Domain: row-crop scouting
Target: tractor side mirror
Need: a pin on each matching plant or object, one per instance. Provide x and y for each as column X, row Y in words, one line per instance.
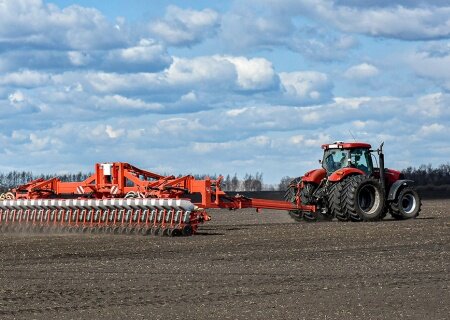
column 380, row 149
column 320, row 161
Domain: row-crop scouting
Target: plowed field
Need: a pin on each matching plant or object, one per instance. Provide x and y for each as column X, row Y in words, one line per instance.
column 242, row 265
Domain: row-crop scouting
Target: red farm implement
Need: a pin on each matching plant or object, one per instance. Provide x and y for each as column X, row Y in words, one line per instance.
column 121, row 198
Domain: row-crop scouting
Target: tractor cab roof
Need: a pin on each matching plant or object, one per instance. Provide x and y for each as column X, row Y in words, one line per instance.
column 346, row 145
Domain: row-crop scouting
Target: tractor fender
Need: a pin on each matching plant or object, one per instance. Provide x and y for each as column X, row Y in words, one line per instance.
column 314, row 176
column 344, row 172
column 396, row 186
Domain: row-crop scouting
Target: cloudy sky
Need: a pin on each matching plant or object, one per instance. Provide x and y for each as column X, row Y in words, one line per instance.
column 221, row 86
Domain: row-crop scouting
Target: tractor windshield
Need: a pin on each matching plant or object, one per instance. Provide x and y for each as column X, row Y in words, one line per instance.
column 335, row 159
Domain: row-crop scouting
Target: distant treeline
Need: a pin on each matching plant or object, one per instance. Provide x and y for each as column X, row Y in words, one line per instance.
column 424, row 176
column 249, row 182
column 431, row 182
column 15, row 178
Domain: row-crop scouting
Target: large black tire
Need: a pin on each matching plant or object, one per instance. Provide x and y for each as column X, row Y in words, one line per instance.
column 296, row 215
column 364, row 199
column 336, row 201
column 306, row 197
column 187, row 231
column 291, row 191
column 407, row 205
column 315, row 216
column 306, row 193
column 290, row 195
column 299, row 215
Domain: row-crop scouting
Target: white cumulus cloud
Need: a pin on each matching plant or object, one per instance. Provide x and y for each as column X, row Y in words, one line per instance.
column 253, row 74
column 185, row 27
column 306, row 87
column 416, row 23
column 16, row 97
column 278, row 20
column 25, row 79
column 432, row 63
column 147, row 56
column 32, row 23
column 361, row 71
column 432, row 129
column 39, row 35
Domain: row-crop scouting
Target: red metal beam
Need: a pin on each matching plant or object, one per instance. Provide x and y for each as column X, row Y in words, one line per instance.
column 103, row 184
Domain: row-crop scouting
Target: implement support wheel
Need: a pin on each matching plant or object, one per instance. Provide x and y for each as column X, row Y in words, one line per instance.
column 187, row 230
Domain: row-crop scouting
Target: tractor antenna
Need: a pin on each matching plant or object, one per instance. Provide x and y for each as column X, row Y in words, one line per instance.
column 352, row 135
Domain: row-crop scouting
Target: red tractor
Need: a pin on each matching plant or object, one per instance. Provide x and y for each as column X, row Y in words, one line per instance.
column 348, row 187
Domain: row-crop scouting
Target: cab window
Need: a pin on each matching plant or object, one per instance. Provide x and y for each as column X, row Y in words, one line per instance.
column 335, row 159
column 361, row 159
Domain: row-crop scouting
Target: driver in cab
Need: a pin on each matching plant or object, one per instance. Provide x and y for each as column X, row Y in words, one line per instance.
column 356, row 162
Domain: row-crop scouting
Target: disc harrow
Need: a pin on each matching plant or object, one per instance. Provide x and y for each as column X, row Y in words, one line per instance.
column 120, row 198
column 168, row 217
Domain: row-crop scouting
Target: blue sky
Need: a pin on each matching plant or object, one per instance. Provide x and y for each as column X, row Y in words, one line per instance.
column 223, row 86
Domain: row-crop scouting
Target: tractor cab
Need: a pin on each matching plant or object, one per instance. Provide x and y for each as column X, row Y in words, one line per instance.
column 341, row 155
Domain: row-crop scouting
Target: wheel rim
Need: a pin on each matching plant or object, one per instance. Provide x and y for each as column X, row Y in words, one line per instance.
column 368, row 199
column 408, row 203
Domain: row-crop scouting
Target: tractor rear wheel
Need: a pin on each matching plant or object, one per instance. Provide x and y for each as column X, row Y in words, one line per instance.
column 306, row 193
column 291, row 191
column 364, row 199
column 336, row 201
column 407, row 205
column 305, row 197
column 290, row 196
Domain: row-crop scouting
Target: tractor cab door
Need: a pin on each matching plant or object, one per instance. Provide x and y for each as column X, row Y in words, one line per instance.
column 361, row 159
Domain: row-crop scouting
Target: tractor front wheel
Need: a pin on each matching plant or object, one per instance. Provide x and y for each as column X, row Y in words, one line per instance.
column 364, row 199
column 407, row 205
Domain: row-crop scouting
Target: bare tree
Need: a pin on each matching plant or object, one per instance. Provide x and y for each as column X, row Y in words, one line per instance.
column 235, row 183
column 284, row 183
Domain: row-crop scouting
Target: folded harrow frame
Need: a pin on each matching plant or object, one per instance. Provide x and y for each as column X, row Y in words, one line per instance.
column 121, row 198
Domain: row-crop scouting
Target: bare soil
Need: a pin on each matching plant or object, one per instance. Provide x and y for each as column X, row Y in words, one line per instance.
column 242, row 265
